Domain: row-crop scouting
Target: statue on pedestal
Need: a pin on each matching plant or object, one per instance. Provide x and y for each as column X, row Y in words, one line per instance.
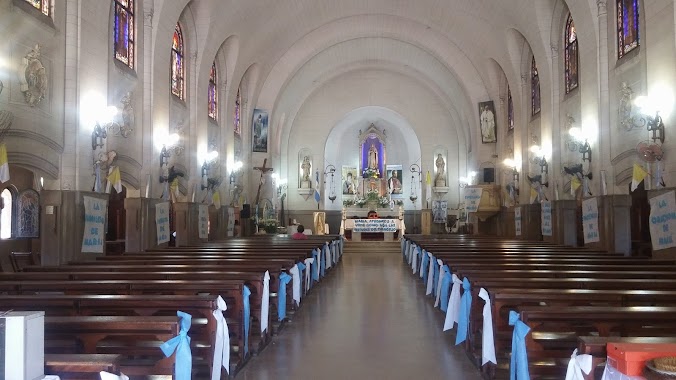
column 440, row 179
column 305, row 182
column 373, row 157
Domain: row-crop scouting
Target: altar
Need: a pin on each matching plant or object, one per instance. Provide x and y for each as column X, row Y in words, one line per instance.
column 373, row 228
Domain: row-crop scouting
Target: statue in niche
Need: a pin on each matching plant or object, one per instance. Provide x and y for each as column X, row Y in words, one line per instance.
column 440, row 179
column 34, row 77
column 373, row 157
column 305, row 178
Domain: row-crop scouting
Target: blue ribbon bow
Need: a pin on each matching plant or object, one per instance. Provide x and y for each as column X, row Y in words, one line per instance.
column 465, row 308
column 246, row 292
column 423, row 266
column 181, row 344
column 445, row 287
column 518, row 367
column 301, row 268
column 284, row 279
column 315, row 272
column 322, row 265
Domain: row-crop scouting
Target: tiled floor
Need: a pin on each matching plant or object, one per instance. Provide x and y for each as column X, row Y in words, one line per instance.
column 367, row 320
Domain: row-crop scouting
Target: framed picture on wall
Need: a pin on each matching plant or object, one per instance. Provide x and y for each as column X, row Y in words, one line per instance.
column 259, row 137
column 487, row 119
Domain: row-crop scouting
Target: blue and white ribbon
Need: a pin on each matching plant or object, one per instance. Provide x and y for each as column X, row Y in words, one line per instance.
column 327, row 256
column 181, row 345
column 437, row 269
column 423, row 266
column 246, row 293
column 309, row 264
column 284, row 279
column 453, row 311
column 518, row 367
column 316, row 254
column 465, row 308
column 487, row 339
column 578, row 366
column 430, row 274
column 222, row 341
column 295, row 274
column 265, row 302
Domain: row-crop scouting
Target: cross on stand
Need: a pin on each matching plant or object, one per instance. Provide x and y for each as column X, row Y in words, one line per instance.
column 263, row 170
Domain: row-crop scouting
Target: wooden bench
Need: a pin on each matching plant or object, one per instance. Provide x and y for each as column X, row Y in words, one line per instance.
column 81, row 366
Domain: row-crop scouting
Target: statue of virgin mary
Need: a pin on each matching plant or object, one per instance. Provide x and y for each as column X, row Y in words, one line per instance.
column 373, row 157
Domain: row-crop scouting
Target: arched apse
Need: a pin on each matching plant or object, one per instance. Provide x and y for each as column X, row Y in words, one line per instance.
column 342, row 146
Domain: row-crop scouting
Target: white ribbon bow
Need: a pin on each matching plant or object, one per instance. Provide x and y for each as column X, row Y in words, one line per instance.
column 308, row 272
column 104, row 376
column 442, row 273
column 265, row 302
column 430, row 275
column 487, row 341
column 453, row 310
column 222, row 345
column 577, row 365
column 295, row 273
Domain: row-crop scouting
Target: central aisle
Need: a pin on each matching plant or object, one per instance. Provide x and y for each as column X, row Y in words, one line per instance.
column 367, row 320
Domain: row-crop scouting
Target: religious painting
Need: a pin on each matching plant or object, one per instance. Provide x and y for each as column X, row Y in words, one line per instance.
column 440, row 211
column 350, row 180
column 260, row 131
column 395, row 185
column 28, row 208
column 374, row 185
column 487, row 118
column 372, row 157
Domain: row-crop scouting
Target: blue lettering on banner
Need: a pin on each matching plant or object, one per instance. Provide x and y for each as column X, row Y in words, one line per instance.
column 374, row 225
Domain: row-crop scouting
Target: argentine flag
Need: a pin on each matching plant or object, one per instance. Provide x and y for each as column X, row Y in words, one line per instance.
column 318, row 196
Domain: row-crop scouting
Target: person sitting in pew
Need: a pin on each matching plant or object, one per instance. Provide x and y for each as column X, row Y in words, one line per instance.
column 299, row 235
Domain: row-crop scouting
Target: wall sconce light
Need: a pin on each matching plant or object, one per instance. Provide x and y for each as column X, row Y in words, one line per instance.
column 654, row 124
column 98, row 135
column 540, row 160
column 234, row 170
column 169, row 146
column 330, row 169
column 415, row 168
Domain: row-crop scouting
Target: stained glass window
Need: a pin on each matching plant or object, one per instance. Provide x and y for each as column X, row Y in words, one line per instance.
column 44, row 6
column 28, row 214
column 510, row 110
column 124, row 32
column 238, row 110
column 213, row 93
column 177, row 64
column 572, row 59
column 6, row 207
column 535, row 88
column 627, row 26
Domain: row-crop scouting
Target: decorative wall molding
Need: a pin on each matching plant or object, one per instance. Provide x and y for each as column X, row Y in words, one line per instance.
column 20, row 133
column 623, row 156
column 34, row 163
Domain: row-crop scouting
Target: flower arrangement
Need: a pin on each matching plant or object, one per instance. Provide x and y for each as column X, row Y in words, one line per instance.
column 348, row 202
column 384, row 201
column 269, row 225
column 360, row 201
column 371, row 173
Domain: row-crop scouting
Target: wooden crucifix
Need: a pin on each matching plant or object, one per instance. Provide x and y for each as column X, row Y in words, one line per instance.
column 263, row 170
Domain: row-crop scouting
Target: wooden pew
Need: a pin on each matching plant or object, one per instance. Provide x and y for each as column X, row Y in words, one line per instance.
column 81, row 366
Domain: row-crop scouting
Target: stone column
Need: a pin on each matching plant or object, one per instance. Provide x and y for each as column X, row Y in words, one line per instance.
column 604, row 104
column 62, row 226
column 141, row 230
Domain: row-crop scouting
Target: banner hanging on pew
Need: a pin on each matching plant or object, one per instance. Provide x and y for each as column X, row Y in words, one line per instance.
column 203, row 218
column 472, row 198
column 590, row 220
column 95, row 224
column 517, row 220
column 663, row 221
column 162, row 222
column 546, row 218
column 231, row 221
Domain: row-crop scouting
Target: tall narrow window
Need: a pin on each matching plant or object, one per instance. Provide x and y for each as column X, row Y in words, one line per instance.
column 627, row 26
column 510, row 110
column 238, row 110
column 534, row 88
column 124, row 32
column 572, row 59
column 213, row 93
column 177, row 64
column 6, row 206
column 44, row 6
